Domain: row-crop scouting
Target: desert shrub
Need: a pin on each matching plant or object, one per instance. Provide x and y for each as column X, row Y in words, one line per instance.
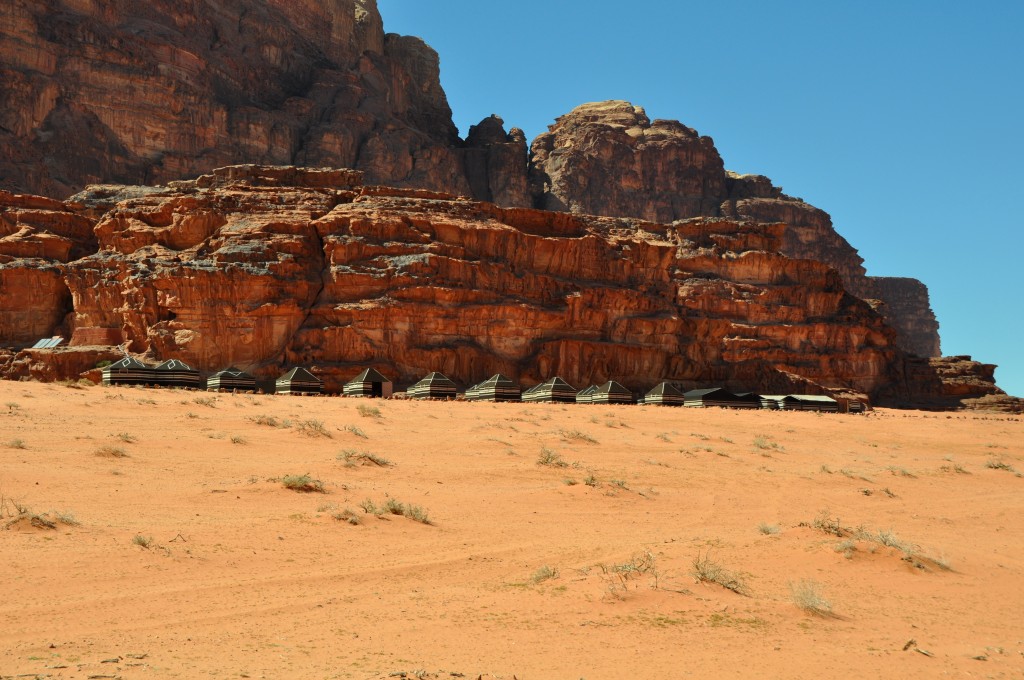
column 16, row 444
column 417, row 514
column 127, row 437
column 111, row 452
column 143, row 541
column 545, row 573
column 313, row 428
column 368, row 411
column 768, row 529
column 550, row 458
column 705, row 570
column 352, row 429
column 352, row 458
column 807, row 595
column 348, row 516
column 576, row 435
column 303, row 484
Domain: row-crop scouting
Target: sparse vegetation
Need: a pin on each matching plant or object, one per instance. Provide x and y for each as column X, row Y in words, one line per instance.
column 545, row 573
column 996, row 464
column 143, row 541
column 576, row 435
column 236, row 439
column 550, row 458
column 303, row 484
column 705, row 570
column 368, row 411
column 352, row 429
column 765, row 443
column 269, row 421
column 901, row 472
column 807, row 595
column 393, row 506
column 351, row 458
column 127, row 437
column 313, row 428
column 209, row 402
column 768, row 529
column 348, row 516
column 621, row 575
column 111, row 452
column 590, row 480
column 16, row 444
column 67, row 518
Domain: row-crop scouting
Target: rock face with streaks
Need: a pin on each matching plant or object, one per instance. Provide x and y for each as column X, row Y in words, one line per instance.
column 145, row 93
column 609, row 158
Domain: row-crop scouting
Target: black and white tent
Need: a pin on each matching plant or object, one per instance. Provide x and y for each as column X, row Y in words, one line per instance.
column 584, row 395
column 128, row 371
column 611, row 392
column 472, row 393
column 496, row 388
column 665, row 394
column 554, row 390
column 432, row 386
column 298, row 381
column 718, row 396
column 231, row 379
column 813, row 402
column 369, row 383
column 176, row 373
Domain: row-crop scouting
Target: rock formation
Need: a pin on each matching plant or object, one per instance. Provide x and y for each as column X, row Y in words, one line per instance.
column 266, row 267
column 145, row 93
column 609, row 158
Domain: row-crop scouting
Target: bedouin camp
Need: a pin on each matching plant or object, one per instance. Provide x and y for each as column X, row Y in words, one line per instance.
column 298, row 381
column 496, row 388
column 369, row 383
column 231, row 380
column 611, row 392
column 128, row 371
column 433, row 386
column 665, row 394
column 551, row 391
column 176, row 373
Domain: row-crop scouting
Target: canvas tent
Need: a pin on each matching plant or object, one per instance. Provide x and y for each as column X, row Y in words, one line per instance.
column 554, row 390
column 298, row 381
column 611, row 392
column 665, row 394
column 718, row 396
column 369, row 383
column 231, row 379
column 432, row 386
column 496, row 388
column 128, row 371
column 584, row 395
column 176, row 373
column 814, row 402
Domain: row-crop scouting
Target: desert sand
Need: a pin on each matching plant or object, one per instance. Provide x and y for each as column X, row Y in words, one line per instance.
column 559, row 540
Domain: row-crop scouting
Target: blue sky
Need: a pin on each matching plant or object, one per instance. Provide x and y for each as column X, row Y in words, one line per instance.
column 904, row 120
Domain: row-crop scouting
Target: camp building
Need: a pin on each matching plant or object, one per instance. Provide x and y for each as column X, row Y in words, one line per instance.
column 432, row 386
column 611, row 392
column 128, row 371
column 721, row 397
column 298, row 381
column 496, row 388
column 176, row 373
column 369, row 383
column 231, row 380
column 583, row 396
column 554, row 390
column 665, row 394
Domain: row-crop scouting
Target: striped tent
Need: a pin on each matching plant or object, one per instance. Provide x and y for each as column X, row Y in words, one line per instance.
column 554, row 390
column 176, row 373
column 472, row 392
column 128, row 371
column 856, row 406
column 298, row 381
column 665, row 394
column 611, row 392
column 496, row 388
column 772, row 402
column 369, row 383
column 433, row 386
column 231, row 379
column 718, row 396
column 584, row 395
column 814, row 402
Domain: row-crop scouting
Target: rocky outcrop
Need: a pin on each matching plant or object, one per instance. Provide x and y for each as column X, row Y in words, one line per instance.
column 608, row 158
column 146, row 93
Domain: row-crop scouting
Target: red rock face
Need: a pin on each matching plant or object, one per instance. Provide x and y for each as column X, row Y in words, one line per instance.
column 608, row 158
column 150, row 92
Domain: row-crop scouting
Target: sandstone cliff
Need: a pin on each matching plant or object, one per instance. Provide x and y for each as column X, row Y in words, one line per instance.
column 145, row 93
column 609, row 158
column 265, row 267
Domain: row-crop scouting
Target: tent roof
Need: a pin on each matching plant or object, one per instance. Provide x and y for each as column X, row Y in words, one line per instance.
column 611, row 387
column 587, row 390
column 370, row 375
column 175, row 365
column 127, row 363
column 706, row 391
column 497, row 379
column 556, row 382
column 665, row 388
column 818, row 398
column 435, row 378
column 233, row 372
column 299, row 373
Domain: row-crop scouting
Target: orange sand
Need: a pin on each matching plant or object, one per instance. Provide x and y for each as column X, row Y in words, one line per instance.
column 245, row 578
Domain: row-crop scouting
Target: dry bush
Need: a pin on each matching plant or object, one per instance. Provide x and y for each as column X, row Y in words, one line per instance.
column 807, row 595
column 303, row 484
column 705, row 570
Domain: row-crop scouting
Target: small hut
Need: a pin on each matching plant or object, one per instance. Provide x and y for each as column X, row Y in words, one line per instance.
column 721, row 397
column 665, row 394
column 814, row 402
column 611, row 392
column 176, row 373
column 433, row 386
column 552, row 391
column 298, row 381
column 128, row 371
column 369, row 383
column 584, row 395
column 231, row 380
column 496, row 388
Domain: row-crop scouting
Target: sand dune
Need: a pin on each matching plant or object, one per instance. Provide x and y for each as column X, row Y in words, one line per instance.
column 177, row 551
